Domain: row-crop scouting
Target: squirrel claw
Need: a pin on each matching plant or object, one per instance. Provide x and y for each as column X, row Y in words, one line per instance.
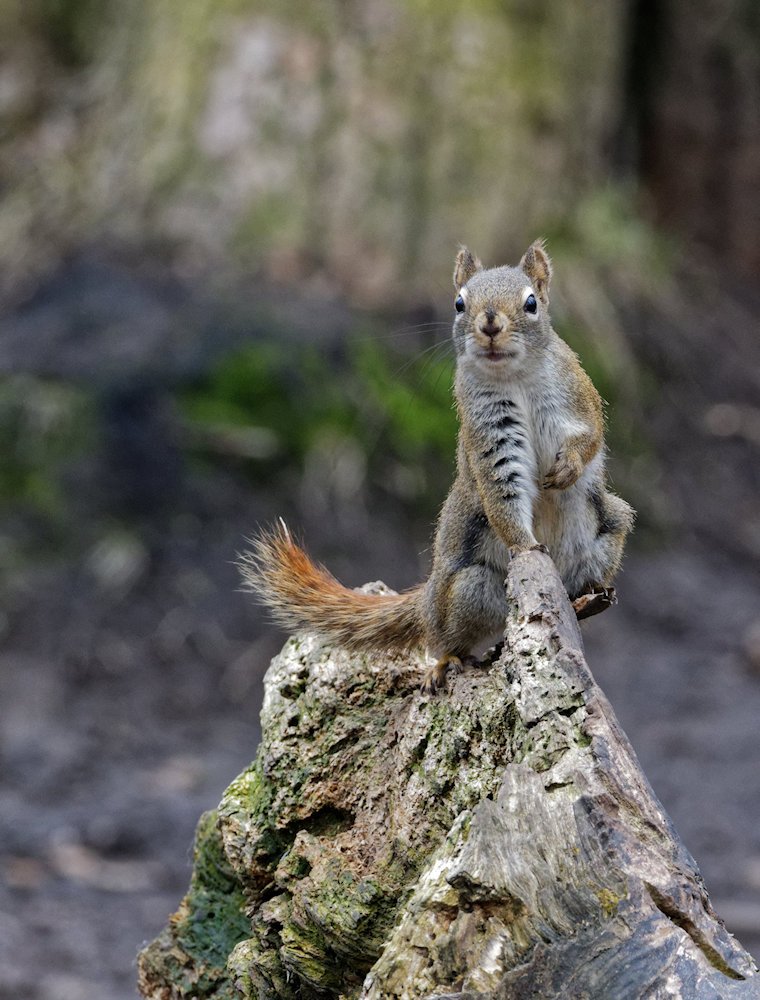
column 597, row 600
column 435, row 676
column 565, row 472
column 539, row 547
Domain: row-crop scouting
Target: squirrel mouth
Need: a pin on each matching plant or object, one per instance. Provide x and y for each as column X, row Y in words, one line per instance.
column 494, row 355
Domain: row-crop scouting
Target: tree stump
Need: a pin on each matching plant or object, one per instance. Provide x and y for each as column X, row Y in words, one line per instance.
column 496, row 841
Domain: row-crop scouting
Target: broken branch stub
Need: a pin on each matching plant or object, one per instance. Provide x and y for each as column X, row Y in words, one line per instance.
column 497, row 841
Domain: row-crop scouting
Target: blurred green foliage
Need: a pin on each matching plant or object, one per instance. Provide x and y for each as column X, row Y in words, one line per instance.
column 43, row 425
column 608, row 232
column 397, row 410
column 71, row 27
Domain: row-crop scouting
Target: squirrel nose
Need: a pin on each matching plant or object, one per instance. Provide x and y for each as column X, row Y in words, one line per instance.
column 491, row 327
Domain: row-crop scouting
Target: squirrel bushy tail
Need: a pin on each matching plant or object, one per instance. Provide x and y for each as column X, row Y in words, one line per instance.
column 301, row 594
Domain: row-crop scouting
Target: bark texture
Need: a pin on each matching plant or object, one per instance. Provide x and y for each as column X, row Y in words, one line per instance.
column 497, row 841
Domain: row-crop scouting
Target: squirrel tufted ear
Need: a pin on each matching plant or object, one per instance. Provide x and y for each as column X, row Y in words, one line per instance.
column 538, row 266
column 465, row 266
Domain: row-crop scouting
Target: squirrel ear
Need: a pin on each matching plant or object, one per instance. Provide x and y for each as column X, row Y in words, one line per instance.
column 538, row 266
column 465, row 266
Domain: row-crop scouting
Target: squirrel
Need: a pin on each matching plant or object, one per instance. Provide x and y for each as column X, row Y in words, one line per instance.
column 530, row 475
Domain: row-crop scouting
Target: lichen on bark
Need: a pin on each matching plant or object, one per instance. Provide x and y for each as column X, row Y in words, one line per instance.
column 496, row 841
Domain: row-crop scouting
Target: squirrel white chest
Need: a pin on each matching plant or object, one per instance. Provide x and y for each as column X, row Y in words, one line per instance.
column 543, row 419
column 551, row 424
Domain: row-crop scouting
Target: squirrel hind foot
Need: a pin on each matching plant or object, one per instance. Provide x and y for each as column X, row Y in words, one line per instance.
column 435, row 678
column 598, row 599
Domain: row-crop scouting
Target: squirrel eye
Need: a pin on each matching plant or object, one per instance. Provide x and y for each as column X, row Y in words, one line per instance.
column 530, row 305
column 459, row 304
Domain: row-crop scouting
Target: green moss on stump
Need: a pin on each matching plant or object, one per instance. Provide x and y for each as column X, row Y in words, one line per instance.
column 211, row 919
column 321, row 840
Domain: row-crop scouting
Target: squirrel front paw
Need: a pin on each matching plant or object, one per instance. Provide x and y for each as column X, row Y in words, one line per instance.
column 566, row 470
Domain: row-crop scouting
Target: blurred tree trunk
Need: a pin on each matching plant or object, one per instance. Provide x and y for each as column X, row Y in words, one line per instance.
column 356, row 142
column 694, row 91
column 497, row 841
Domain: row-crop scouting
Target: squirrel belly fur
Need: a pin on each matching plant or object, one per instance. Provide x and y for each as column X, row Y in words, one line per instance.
column 530, row 474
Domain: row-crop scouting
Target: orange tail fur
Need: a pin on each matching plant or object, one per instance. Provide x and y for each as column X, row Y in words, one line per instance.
column 301, row 594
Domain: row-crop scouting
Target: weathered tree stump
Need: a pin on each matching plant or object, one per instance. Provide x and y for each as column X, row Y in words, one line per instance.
column 497, row 841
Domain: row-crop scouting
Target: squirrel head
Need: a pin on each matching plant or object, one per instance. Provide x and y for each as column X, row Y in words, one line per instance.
column 502, row 313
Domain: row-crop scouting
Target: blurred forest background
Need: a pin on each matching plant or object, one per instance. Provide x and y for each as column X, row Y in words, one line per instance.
column 226, row 237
